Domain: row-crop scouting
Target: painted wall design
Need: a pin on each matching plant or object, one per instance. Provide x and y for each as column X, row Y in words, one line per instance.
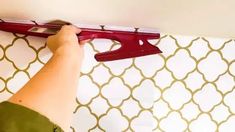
column 190, row 87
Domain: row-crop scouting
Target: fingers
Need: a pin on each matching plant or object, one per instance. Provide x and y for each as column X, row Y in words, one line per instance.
column 66, row 36
column 70, row 29
column 73, row 29
column 50, row 39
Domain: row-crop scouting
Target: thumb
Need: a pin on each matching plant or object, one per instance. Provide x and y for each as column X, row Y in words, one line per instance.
column 84, row 41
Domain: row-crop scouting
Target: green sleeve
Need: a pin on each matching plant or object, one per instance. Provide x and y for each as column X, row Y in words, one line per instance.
column 17, row 118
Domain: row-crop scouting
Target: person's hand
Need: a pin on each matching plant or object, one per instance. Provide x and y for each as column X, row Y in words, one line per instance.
column 66, row 41
column 65, row 37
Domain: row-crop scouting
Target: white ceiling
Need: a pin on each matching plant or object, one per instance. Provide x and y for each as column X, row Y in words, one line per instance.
column 185, row 17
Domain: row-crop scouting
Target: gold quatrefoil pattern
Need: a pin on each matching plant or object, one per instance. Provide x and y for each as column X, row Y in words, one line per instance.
column 189, row 87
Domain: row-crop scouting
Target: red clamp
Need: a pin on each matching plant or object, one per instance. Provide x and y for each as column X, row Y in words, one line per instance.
column 133, row 44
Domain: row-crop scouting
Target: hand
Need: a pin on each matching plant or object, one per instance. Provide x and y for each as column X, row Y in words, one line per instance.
column 65, row 37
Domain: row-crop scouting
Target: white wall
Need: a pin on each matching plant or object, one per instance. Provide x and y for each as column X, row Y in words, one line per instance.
column 186, row 17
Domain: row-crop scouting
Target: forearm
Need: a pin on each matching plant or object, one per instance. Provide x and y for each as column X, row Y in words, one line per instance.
column 62, row 70
column 54, row 85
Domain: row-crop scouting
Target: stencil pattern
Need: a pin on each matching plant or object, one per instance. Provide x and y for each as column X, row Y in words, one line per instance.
column 189, row 87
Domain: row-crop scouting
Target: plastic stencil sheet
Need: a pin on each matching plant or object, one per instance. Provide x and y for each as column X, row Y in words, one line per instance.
column 189, row 87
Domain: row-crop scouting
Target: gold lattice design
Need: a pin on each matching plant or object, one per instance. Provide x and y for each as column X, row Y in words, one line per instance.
column 190, row 87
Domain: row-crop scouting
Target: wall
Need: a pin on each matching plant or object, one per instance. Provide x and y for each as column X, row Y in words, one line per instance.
column 189, row 87
column 186, row 17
